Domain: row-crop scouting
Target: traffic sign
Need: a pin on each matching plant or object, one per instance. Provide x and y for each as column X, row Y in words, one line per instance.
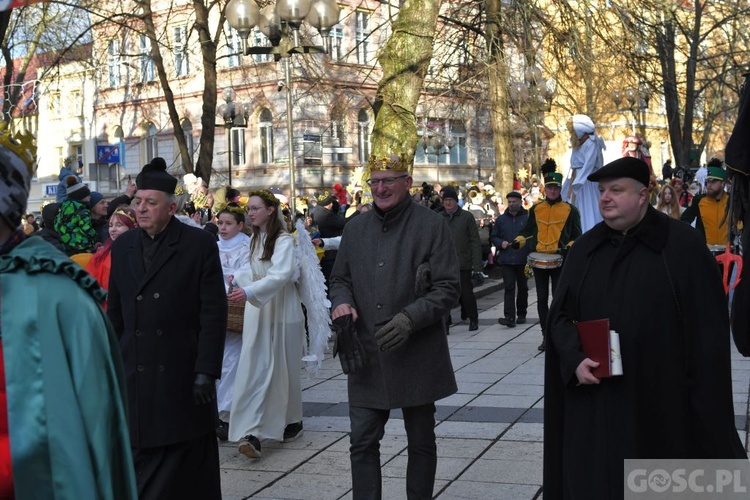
column 108, row 154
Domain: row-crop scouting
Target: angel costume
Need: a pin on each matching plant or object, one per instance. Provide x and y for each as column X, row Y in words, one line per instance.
column 585, row 159
column 268, row 390
column 235, row 255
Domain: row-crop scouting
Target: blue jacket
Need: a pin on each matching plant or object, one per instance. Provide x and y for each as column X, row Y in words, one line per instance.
column 506, row 228
column 62, row 189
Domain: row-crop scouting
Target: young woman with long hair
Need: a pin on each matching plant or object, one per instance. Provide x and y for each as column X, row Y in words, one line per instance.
column 668, row 202
column 267, row 396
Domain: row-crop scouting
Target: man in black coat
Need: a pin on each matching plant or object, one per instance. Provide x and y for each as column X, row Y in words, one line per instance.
column 169, row 309
column 674, row 399
column 330, row 224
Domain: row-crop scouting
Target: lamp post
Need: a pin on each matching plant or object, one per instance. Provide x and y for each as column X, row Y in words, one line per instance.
column 234, row 115
column 281, row 23
column 637, row 100
column 531, row 99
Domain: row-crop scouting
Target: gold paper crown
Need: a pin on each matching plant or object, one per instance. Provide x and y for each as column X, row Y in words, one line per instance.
column 235, row 208
column 22, row 145
column 179, row 191
column 265, row 195
column 322, row 196
column 393, row 162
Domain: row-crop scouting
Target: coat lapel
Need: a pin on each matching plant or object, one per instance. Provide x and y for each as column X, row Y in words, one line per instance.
column 168, row 249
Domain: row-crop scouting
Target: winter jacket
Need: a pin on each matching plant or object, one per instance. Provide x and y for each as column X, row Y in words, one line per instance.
column 506, row 228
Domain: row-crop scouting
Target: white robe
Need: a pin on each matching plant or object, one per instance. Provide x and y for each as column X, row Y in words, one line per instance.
column 268, row 387
column 235, row 255
column 584, row 161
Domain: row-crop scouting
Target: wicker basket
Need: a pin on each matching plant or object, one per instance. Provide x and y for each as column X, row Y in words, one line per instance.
column 235, row 316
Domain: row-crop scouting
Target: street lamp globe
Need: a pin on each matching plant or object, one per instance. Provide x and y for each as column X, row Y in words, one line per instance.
column 270, row 24
column 242, row 15
column 324, row 15
column 293, row 11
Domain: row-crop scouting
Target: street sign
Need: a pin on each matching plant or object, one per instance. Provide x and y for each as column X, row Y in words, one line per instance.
column 338, row 150
column 50, row 189
column 108, row 154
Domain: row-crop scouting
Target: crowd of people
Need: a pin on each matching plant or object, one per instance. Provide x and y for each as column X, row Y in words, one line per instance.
column 162, row 266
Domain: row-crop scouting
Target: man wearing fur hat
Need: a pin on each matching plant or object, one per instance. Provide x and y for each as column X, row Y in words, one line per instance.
column 585, row 159
column 401, row 328
column 552, row 227
column 168, row 305
column 63, row 432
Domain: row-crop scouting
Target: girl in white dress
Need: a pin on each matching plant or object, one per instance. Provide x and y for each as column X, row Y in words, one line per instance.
column 267, row 400
column 234, row 251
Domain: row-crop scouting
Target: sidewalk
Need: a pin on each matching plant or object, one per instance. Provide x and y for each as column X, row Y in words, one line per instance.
column 489, row 433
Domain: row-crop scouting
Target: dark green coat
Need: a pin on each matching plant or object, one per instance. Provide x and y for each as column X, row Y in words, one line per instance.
column 375, row 272
column 465, row 235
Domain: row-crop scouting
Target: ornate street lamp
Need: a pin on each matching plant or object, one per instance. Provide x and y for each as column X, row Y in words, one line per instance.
column 281, row 23
column 437, row 140
column 637, row 101
column 234, row 115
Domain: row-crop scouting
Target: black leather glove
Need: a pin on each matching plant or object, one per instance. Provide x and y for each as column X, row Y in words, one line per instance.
column 423, row 280
column 204, row 389
column 393, row 334
column 347, row 345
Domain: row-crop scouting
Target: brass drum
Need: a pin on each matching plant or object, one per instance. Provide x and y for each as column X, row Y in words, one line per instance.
column 540, row 260
column 716, row 249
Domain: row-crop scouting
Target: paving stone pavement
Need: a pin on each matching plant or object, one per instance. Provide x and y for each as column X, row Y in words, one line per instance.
column 489, row 434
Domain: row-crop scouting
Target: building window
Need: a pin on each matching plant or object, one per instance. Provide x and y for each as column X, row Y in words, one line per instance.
column 237, row 136
column 76, row 103
column 338, row 139
column 187, row 130
column 265, row 124
column 312, row 149
column 148, row 73
column 258, row 39
column 337, row 46
column 363, row 36
column 363, row 137
column 54, row 104
column 181, row 59
column 152, row 142
column 457, row 144
column 113, row 63
column 234, row 47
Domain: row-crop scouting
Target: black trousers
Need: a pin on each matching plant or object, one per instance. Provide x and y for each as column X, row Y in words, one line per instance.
column 542, row 278
column 467, row 300
column 183, row 470
column 368, row 428
column 514, row 277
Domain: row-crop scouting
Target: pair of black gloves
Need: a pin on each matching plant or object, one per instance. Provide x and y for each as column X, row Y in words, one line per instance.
column 349, row 349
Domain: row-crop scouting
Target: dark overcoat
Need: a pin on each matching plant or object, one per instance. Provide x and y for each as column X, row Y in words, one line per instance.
column 375, row 272
column 171, row 322
column 660, row 288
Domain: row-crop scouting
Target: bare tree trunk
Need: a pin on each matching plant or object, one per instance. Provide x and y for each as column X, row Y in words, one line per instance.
column 404, row 59
column 498, row 90
column 208, row 117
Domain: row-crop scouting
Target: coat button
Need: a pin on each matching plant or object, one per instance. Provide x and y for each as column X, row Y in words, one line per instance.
column 381, row 263
column 159, row 333
column 385, row 229
column 161, row 368
column 379, row 306
column 156, row 295
column 140, row 368
column 139, row 297
column 138, row 333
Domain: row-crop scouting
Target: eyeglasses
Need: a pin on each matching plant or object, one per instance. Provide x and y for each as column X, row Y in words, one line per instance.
column 253, row 210
column 386, row 181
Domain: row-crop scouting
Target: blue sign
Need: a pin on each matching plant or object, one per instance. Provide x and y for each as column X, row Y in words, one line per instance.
column 50, row 190
column 108, row 154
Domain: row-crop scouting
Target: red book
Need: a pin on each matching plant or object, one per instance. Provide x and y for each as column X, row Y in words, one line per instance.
column 594, row 337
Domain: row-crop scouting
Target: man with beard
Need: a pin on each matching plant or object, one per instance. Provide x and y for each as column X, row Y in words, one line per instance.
column 674, row 397
column 401, row 328
column 552, row 227
column 513, row 263
column 709, row 211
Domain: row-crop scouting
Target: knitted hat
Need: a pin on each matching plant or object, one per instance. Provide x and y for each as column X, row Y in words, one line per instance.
column 449, row 192
column 76, row 189
column 154, row 176
column 17, row 164
column 96, row 197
